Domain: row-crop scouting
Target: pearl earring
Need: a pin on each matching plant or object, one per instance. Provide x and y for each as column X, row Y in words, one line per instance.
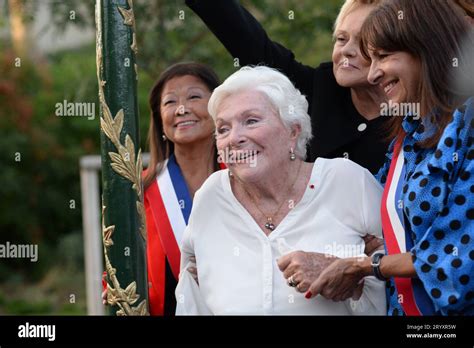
column 292, row 155
column 164, row 137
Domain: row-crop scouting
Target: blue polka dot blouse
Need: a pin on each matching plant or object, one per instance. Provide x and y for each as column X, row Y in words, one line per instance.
column 438, row 206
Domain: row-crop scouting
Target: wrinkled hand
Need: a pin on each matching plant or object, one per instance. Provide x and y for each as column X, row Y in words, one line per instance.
column 372, row 244
column 193, row 269
column 338, row 282
column 304, row 267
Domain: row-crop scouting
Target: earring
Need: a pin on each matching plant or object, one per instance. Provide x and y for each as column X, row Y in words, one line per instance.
column 292, row 155
column 164, row 137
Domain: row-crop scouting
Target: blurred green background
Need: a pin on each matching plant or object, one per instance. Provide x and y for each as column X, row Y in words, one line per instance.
column 40, row 199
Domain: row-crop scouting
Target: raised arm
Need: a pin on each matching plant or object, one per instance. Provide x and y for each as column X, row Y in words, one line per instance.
column 245, row 39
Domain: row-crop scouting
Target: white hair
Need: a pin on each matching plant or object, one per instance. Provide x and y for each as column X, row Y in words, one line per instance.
column 291, row 105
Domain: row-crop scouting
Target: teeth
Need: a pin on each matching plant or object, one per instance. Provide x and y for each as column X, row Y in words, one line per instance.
column 240, row 157
column 186, row 123
column 387, row 88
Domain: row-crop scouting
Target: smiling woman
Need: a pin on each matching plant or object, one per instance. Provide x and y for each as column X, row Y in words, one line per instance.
column 180, row 125
column 409, row 65
column 349, row 66
column 418, row 49
column 247, row 217
column 400, row 80
column 183, row 155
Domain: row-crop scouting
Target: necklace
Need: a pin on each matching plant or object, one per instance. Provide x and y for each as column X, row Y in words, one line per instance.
column 269, row 225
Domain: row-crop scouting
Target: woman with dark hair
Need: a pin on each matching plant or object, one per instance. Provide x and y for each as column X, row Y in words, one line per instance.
column 182, row 156
column 161, row 146
column 419, row 50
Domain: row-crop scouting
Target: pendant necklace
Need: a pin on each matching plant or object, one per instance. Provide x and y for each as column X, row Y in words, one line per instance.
column 269, row 225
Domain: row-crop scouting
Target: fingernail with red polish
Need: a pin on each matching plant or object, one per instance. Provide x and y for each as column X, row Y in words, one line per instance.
column 308, row 294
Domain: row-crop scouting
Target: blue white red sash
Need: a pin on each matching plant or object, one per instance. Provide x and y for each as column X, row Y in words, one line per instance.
column 171, row 209
column 414, row 298
column 168, row 205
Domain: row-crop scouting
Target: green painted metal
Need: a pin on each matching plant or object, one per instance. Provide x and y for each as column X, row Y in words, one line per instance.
column 122, row 193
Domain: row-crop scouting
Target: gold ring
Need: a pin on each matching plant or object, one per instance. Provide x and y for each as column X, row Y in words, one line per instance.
column 291, row 282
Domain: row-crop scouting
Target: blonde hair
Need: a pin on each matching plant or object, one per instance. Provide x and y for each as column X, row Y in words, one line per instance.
column 351, row 5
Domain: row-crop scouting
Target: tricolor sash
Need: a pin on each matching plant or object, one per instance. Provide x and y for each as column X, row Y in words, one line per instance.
column 171, row 209
column 414, row 300
column 168, row 206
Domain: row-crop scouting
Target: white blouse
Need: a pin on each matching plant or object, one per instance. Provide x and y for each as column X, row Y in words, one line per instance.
column 236, row 261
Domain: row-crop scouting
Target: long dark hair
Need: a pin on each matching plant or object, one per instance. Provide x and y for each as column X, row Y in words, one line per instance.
column 436, row 33
column 160, row 149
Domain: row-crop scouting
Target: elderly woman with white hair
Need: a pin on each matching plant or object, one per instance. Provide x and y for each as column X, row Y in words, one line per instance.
column 270, row 202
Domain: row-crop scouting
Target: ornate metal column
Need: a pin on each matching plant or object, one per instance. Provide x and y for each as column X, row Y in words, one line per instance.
column 123, row 214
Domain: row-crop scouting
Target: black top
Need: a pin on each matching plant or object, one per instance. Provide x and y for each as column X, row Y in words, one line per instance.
column 338, row 129
column 170, row 286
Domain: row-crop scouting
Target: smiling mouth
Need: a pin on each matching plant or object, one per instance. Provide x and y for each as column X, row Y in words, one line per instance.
column 346, row 66
column 243, row 156
column 185, row 123
column 388, row 88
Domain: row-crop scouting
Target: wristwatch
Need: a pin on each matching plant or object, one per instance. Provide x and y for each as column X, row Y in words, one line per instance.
column 376, row 258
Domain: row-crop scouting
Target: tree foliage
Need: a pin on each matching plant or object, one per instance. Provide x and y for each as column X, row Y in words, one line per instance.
column 37, row 190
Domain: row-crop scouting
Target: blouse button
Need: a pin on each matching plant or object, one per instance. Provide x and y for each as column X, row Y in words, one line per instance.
column 362, row 127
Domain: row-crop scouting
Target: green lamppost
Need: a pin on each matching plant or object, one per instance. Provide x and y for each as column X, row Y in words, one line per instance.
column 123, row 214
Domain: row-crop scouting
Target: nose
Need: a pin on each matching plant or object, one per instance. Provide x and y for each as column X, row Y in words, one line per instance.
column 182, row 109
column 375, row 74
column 350, row 49
column 236, row 137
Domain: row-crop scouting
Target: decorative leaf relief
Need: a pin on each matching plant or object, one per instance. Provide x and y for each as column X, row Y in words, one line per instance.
column 141, row 308
column 116, row 296
column 141, row 213
column 130, row 148
column 118, row 122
